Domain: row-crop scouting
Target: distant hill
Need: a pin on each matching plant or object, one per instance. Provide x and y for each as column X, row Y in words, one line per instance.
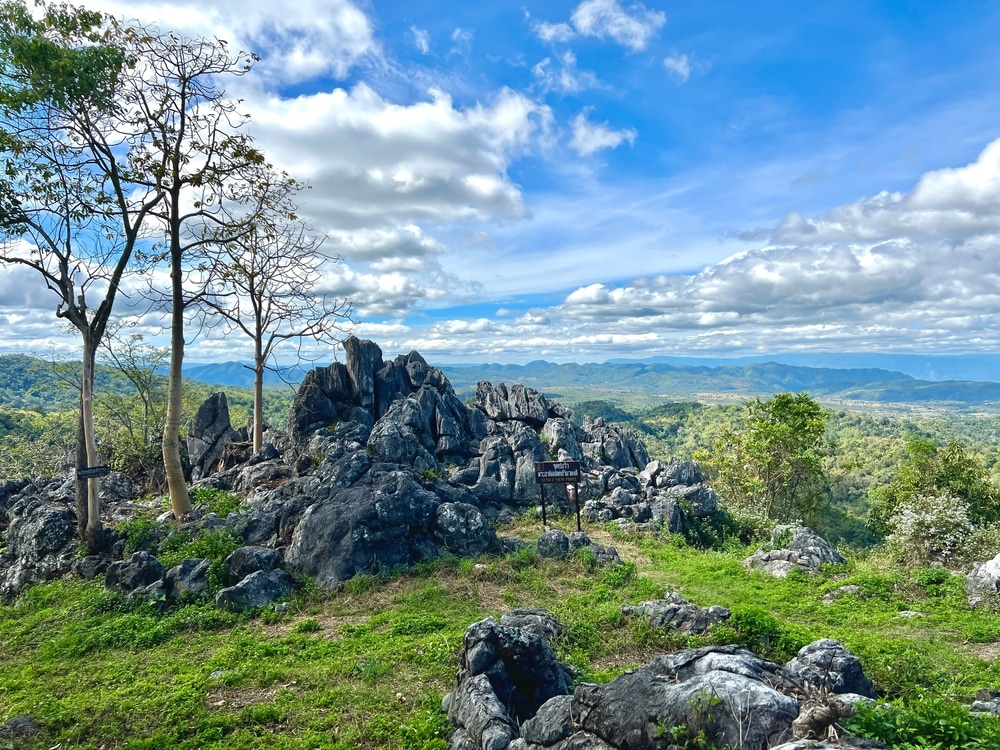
column 27, row 382
column 934, row 367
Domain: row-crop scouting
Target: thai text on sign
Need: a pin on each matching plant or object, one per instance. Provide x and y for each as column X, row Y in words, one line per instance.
column 557, row 472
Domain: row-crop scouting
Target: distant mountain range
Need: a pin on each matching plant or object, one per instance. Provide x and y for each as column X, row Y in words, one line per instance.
column 958, row 380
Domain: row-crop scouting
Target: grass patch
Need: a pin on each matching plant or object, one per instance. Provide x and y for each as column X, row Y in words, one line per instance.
column 367, row 666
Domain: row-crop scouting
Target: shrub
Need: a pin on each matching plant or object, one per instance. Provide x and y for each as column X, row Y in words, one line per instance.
column 931, row 529
column 925, row 722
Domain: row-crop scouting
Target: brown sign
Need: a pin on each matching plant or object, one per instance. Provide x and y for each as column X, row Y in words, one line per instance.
column 557, row 472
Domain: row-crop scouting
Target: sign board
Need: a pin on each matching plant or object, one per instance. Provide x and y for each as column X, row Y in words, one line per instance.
column 557, row 472
column 92, row 471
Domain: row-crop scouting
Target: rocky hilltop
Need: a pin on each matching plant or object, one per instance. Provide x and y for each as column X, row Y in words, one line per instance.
column 381, row 465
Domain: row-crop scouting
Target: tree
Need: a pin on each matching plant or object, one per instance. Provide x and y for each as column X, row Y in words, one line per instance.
column 769, row 468
column 67, row 208
column 133, row 423
column 262, row 284
column 928, row 470
column 186, row 143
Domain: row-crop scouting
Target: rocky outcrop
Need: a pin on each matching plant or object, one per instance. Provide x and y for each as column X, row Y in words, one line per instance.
column 210, row 436
column 671, row 496
column 982, row 585
column 256, row 590
column 506, row 673
column 828, row 666
column 794, row 547
column 724, row 694
column 40, row 542
column 675, row 612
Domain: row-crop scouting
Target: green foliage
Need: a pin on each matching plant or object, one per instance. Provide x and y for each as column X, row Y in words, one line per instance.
column 926, row 722
column 934, row 529
column 215, row 546
column 760, row 631
column 928, row 470
column 216, row 501
column 768, row 469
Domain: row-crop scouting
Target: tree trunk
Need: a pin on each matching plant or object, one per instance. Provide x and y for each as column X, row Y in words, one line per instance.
column 180, row 501
column 87, row 419
column 258, row 400
column 81, row 484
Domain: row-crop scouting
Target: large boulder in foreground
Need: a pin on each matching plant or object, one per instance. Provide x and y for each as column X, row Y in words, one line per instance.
column 40, row 544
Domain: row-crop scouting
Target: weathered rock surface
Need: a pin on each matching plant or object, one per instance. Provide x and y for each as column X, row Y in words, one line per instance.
column 797, row 547
column 828, row 665
column 256, row 590
column 506, row 673
column 138, row 572
column 982, row 585
column 677, row 613
column 209, row 436
column 736, row 698
column 40, row 542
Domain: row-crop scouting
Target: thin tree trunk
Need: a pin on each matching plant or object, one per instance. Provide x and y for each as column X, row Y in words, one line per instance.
column 87, row 416
column 180, row 501
column 258, row 400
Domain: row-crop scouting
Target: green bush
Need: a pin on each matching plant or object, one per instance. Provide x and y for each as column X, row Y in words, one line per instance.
column 925, row 722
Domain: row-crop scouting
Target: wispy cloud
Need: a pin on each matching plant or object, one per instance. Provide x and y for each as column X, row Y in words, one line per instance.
column 606, row 18
column 589, row 137
column 422, row 39
column 679, row 66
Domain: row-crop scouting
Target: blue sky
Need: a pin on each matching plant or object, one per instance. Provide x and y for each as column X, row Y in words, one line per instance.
column 585, row 180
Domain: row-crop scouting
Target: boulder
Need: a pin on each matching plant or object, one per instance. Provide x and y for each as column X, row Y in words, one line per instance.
column 41, row 543
column 189, row 579
column 505, row 675
column 982, row 585
column 138, row 572
column 793, row 547
column 673, row 611
column 256, row 590
column 552, row 543
column 386, row 521
column 246, row 560
column 829, row 666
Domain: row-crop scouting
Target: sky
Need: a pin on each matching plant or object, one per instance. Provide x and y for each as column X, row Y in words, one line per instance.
column 579, row 181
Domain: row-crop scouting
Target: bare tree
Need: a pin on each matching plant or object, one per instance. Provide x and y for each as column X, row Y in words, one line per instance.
column 264, row 284
column 187, row 143
column 67, row 208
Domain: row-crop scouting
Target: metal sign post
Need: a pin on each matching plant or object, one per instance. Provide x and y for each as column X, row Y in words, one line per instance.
column 559, row 472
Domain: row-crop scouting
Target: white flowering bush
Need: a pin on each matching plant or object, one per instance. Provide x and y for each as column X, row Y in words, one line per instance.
column 932, row 529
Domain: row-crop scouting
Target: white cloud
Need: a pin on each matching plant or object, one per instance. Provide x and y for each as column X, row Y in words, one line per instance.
column 606, row 18
column 296, row 41
column 563, row 76
column 679, row 66
column 375, row 164
column 553, row 32
column 422, row 39
column 947, row 203
column 589, row 137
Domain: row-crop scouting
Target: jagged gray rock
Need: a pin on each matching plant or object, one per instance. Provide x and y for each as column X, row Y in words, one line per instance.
column 797, row 547
column 246, row 560
column 40, row 542
column 829, row 665
column 209, row 436
column 675, row 612
column 982, row 585
column 256, row 590
column 138, row 572
column 187, row 579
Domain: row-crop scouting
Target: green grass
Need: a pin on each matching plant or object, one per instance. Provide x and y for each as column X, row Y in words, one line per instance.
column 366, row 667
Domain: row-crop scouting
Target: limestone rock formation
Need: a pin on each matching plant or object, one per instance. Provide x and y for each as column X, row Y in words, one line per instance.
column 794, row 547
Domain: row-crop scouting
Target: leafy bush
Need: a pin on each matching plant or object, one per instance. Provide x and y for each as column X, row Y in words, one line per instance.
column 932, row 528
column 925, row 722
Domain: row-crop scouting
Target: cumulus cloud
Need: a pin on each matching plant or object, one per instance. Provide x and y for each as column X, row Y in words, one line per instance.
column 589, row 137
column 630, row 28
column 373, row 163
column 297, row 41
column 553, row 32
column 947, row 203
column 679, row 66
